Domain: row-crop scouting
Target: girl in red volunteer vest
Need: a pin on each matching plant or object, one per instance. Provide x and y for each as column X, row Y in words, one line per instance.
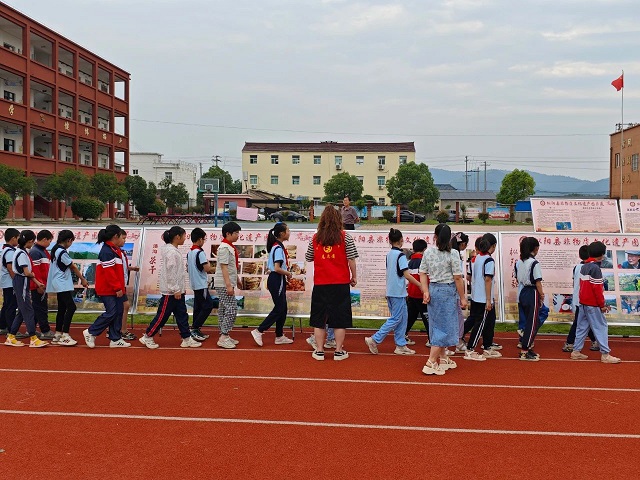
column 334, row 255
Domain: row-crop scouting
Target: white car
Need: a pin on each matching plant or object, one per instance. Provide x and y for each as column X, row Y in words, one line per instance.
column 261, row 217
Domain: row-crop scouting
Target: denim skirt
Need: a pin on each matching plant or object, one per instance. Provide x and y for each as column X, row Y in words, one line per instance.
column 443, row 314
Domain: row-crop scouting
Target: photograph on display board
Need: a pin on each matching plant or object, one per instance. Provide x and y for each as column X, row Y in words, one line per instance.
column 629, row 282
column 562, row 303
column 628, row 259
column 630, row 304
column 611, row 301
column 609, row 282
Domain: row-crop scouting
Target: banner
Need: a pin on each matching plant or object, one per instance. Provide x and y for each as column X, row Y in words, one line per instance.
column 558, row 255
column 630, row 213
column 84, row 253
column 575, row 215
column 368, row 298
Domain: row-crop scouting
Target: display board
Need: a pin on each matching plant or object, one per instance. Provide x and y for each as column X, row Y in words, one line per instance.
column 84, row 253
column 575, row 215
column 558, row 255
column 630, row 213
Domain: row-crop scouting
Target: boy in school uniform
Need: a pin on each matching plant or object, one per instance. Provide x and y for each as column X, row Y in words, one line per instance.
column 415, row 306
column 583, row 253
column 9, row 302
column 593, row 306
column 198, row 267
column 41, row 260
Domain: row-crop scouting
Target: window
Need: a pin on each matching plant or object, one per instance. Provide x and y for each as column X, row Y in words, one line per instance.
column 274, row 159
column 359, row 159
column 403, row 159
column 381, row 160
column 295, row 159
column 274, row 179
column 317, row 159
column 338, row 159
column 617, row 160
column 381, row 201
column 135, row 171
column 168, row 175
column 9, row 145
column 295, row 180
column 253, row 179
column 381, row 181
column 634, row 163
column 361, row 179
column 10, row 96
column 253, row 159
column 316, row 180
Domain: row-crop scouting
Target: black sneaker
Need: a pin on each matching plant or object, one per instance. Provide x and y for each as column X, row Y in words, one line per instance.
column 197, row 335
column 536, row 354
column 595, row 346
column 529, row 356
column 3, row 331
column 127, row 335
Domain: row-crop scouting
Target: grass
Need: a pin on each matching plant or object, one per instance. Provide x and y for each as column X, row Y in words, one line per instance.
column 550, row 328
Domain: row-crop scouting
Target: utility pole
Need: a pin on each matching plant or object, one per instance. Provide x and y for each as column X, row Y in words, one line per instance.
column 216, row 159
column 466, row 173
column 485, row 174
column 200, row 169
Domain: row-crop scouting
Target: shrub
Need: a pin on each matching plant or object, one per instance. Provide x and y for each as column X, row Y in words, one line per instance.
column 5, row 204
column 87, row 207
column 442, row 216
column 197, row 209
column 528, row 219
column 483, row 216
column 388, row 215
column 158, row 207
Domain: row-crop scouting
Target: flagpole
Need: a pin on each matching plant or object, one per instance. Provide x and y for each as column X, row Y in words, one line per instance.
column 622, row 139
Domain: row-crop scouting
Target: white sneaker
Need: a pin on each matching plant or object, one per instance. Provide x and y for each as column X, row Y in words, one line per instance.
column 312, row 341
column 608, row 358
column 409, row 341
column 317, row 355
column 432, row 369
column 404, row 350
column 234, row 341
column 56, row 338
column 89, row 339
column 283, row 340
column 491, row 353
column 257, row 336
column 148, row 342
column 119, row 344
column 190, row 342
column 225, row 342
column 473, row 355
column 66, row 341
column 330, row 344
column 461, row 347
column 371, row 343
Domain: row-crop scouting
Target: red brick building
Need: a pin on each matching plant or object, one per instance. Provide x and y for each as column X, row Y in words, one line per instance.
column 624, row 165
column 61, row 107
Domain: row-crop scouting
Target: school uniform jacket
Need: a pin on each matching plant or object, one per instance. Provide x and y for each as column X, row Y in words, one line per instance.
column 40, row 261
column 109, row 272
column 591, row 284
column 414, row 269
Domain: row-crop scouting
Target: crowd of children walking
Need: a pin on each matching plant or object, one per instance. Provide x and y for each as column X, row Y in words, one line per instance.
column 430, row 285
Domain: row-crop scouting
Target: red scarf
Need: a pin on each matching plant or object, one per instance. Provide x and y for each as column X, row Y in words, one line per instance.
column 235, row 250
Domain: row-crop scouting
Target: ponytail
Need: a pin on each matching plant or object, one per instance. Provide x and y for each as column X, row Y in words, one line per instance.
column 63, row 236
column 274, row 234
column 443, row 237
column 395, row 235
column 527, row 246
column 25, row 237
column 172, row 233
column 107, row 234
column 459, row 238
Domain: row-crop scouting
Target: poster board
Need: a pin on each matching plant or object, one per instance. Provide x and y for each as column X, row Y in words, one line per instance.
column 630, row 214
column 575, row 215
column 84, row 253
column 558, row 255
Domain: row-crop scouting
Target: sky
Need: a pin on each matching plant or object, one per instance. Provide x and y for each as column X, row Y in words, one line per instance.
column 514, row 84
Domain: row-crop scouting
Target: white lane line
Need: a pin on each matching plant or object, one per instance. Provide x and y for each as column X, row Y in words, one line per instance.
column 413, row 428
column 426, row 383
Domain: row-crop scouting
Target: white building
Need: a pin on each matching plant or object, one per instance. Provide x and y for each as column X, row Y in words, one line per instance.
column 152, row 168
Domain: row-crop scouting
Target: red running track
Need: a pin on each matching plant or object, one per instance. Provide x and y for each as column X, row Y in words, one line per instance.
column 274, row 412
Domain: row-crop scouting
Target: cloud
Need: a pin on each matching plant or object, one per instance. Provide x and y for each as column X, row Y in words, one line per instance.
column 358, row 18
column 569, row 69
column 585, row 30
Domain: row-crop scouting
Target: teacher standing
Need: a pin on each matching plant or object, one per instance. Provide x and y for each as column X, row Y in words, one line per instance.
column 349, row 214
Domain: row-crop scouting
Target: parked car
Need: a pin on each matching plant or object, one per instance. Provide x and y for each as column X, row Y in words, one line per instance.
column 288, row 216
column 409, row 216
column 469, row 216
column 261, row 217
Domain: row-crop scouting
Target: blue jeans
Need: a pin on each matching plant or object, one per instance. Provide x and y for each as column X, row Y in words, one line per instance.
column 397, row 322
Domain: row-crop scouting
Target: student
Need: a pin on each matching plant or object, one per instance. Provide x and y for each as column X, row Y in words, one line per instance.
column 172, row 283
column 415, row 306
column 397, row 272
column 60, row 282
column 469, row 322
column 110, row 287
column 482, row 309
column 40, row 260
column 278, row 265
column 583, row 253
column 198, row 267
column 9, row 304
column 530, row 296
column 226, row 279
column 127, row 267
column 442, row 267
column 593, row 306
column 459, row 243
column 21, row 283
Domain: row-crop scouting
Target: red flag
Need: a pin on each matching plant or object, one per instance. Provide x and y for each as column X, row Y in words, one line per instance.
column 618, row 83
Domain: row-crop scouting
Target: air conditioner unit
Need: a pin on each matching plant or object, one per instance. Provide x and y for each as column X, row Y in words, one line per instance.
column 380, row 166
column 254, row 187
column 380, row 187
column 338, row 166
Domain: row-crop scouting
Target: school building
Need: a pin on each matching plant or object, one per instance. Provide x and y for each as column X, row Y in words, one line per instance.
column 61, row 106
column 624, row 176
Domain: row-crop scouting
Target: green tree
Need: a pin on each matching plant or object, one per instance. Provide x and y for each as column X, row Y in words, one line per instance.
column 227, row 183
column 106, row 188
column 87, row 207
column 340, row 185
column 370, row 198
column 516, row 186
column 15, row 184
column 5, row 205
column 66, row 186
column 173, row 195
column 413, row 181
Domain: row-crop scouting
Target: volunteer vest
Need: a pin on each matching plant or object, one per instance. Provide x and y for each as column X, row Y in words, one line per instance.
column 330, row 264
